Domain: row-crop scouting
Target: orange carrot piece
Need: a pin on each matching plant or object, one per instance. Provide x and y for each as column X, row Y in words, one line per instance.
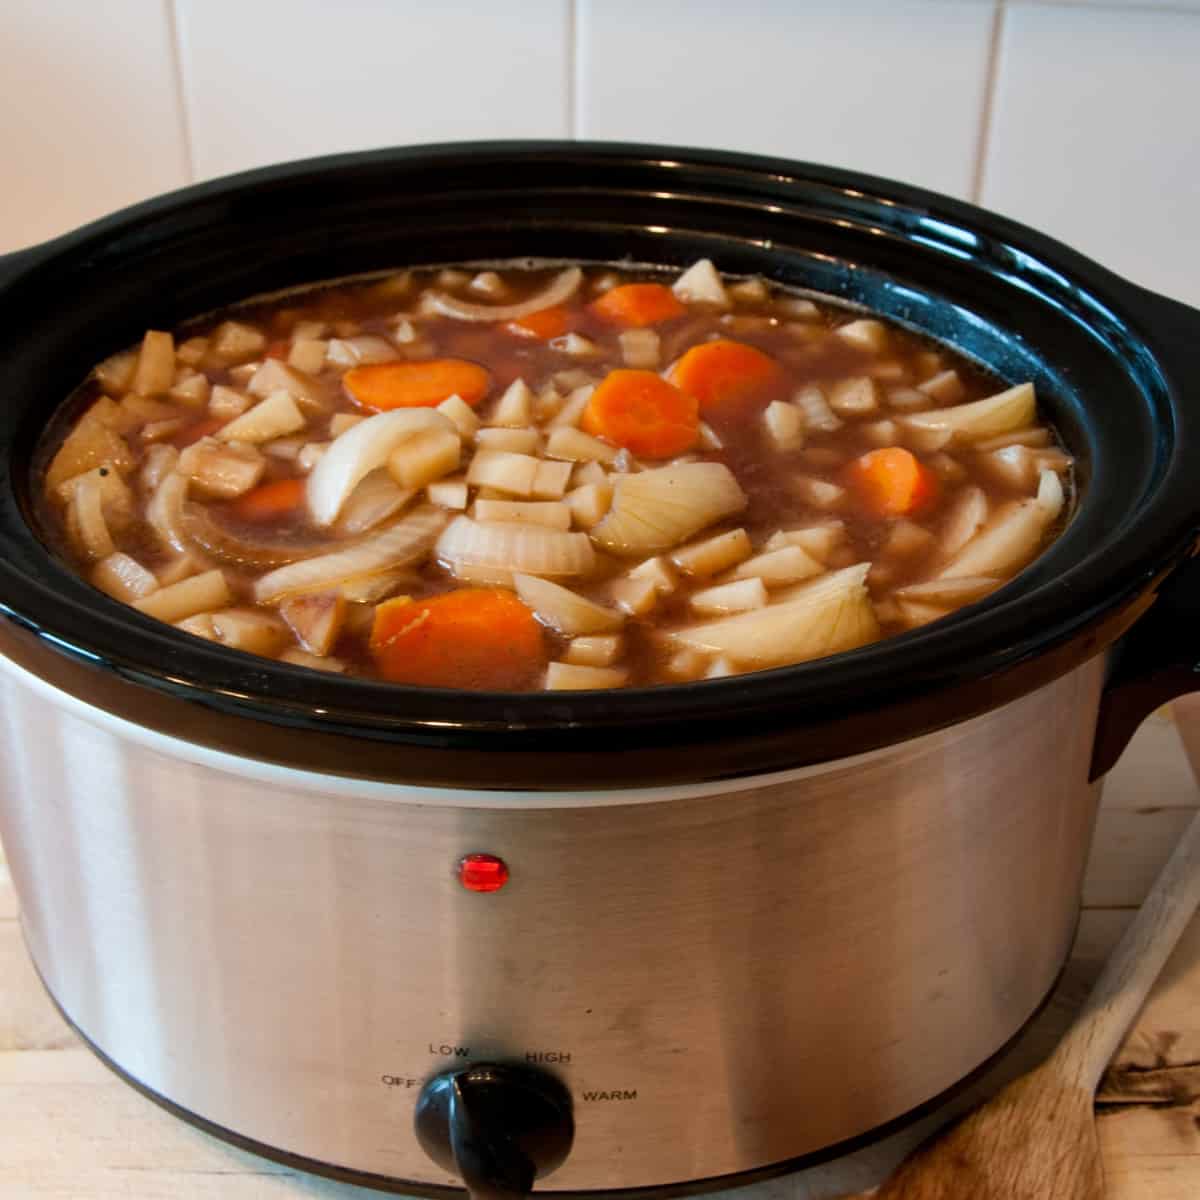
column 269, row 501
column 477, row 638
column 418, row 384
column 644, row 413
column 892, row 482
column 544, row 324
column 731, row 381
column 635, row 305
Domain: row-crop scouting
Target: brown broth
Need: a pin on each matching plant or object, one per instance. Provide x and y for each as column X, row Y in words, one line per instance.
column 777, row 483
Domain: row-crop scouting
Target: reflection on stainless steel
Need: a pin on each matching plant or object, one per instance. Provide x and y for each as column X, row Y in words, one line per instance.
column 724, row 981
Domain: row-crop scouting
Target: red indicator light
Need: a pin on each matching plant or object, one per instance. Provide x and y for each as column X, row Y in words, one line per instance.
column 482, row 873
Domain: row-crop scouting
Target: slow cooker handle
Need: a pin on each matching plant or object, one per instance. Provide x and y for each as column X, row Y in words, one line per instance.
column 1157, row 660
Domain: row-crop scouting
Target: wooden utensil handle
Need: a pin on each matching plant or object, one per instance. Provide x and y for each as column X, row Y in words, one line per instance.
column 1084, row 1054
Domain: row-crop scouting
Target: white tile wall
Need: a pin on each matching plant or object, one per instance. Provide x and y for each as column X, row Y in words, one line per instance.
column 1074, row 115
column 1095, row 136
column 890, row 86
column 278, row 79
column 89, row 112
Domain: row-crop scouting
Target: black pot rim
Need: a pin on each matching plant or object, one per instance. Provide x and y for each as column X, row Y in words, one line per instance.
column 1065, row 609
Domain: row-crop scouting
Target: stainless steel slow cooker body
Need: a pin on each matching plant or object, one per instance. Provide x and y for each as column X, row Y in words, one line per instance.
column 747, row 920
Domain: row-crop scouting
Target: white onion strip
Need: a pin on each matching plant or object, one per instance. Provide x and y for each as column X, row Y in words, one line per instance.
column 560, row 288
column 397, row 546
column 359, row 451
column 515, row 546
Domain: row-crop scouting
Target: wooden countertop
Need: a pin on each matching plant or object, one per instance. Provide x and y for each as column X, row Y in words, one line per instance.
column 69, row 1130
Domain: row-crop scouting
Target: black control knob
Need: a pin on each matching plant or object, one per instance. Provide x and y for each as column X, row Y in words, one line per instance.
column 496, row 1125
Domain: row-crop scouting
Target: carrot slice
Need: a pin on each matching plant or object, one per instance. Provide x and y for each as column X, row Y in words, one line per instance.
column 731, row 381
column 269, row 501
column 637, row 304
column 892, row 482
column 478, row 638
column 644, row 413
column 420, row 384
column 545, row 324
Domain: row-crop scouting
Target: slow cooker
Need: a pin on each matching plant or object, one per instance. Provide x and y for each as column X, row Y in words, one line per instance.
column 743, row 922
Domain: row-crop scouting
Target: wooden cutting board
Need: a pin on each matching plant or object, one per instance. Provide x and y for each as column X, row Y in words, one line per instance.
column 70, row 1131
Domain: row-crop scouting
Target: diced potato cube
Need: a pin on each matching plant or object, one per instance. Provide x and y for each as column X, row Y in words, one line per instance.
column 550, row 480
column 192, row 392
column 115, row 373
column 504, row 471
column 308, row 355
column 659, row 572
column 854, row 397
column 226, row 403
column 598, row 650
column 588, row 472
column 882, row 433
column 462, row 414
column 569, row 414
column 221, row 470
column 818, row 416
column 200, row 625
column 788, row 564
column 888, row 371
column 192, row 352
column 573, row 379
column 488, row 283
column 155, row 371
column 354, row 351
column 864, row 334
column 640, row 348
column 714, row 554
column 424, row 457
column 309, row 330
column 158, row 431
column 785, row 425
column 635, row 596
column 316, row 619
column 519, row 441
column 741, row 596
column 552, row 514
column 234, row 341
column 287, row 448
column 577, row 446
column 749, row 291
column 907, row 399
column 515, row 407
column 1013, row 466
column 576, row 345
column 798, row 308
column 275, row 376
column 249, row 630
column 590, row 503
column 90, row 444
column 403, row 331
column 276, row 416
column 570, row 677
column 819, row 492
column 196, row 594
column 688, row 663
column 945, row 387
column 701, row 284
column 340, row 422
column 818, row 540
column 452, row 494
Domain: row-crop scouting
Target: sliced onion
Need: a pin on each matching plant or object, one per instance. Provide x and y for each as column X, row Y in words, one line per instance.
column 1004, row 545
column 243, row 547
column 165, row 510
column 515, row 546
column 375, row 499
column 656, row 510
column 826, row 617
column 1012, row 409
column 564, row 610
column 359, row 451
column 560, row 288
column 397, row 546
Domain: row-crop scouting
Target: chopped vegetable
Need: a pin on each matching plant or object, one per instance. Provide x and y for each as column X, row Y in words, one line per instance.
column 701, row 284
column 634, row 305
column 576, row 677
column 471, row 638
column 892, row 483
column 564, row 610
column 515, row 546
column 644, row 413
column 562, row 287
column 270, row 501
column 544, row 324
column 1011, row 409
column 730, row 380
column 424, row 383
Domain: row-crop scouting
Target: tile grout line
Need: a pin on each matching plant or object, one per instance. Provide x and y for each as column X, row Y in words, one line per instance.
column 181, row 105
column 572, row 69
column 991, row 80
